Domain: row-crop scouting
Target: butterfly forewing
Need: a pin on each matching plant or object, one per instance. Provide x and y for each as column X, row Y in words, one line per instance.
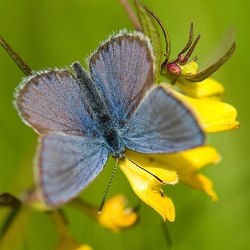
column 52, row 101
column 122, row 68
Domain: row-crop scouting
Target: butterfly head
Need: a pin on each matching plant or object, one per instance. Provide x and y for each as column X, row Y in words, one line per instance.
column 118, row 152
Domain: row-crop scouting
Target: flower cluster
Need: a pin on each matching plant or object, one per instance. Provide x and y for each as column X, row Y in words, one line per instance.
column 202, row 95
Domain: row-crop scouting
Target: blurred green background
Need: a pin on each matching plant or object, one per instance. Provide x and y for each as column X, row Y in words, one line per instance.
column 54, row 34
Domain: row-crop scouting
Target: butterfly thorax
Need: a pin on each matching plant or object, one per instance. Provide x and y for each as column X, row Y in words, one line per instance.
column 112, row 139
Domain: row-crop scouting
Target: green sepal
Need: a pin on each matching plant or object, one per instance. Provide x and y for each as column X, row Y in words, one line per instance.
column 201, row 76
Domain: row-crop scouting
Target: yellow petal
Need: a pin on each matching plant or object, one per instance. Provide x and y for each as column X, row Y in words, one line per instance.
column 192, row 161
column 190, row 68
column 84, row 247
column 146, row 186
column 160, row 203
column 213, row 116
column 115, row 216
column 188, row 162
column 208, row 89
column 200, row 182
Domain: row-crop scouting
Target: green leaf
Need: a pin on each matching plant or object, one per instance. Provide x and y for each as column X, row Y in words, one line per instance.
column 147, row 20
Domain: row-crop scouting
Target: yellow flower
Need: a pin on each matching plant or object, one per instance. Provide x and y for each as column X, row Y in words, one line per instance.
column 213, row 116
column 189, row 162
column 204, row 100
column 115, row 215
column 146, row 186
column 170, row 168
column 209, row 89
column 84, row 247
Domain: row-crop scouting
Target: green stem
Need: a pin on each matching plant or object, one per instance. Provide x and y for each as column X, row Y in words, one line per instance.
column 86, row 207
column 133, row 18
column 167, row 236
column 16, row 58
column 8, row 221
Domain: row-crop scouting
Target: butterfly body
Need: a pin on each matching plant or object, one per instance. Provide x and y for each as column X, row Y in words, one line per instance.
column 82, row 118
column 108, row 127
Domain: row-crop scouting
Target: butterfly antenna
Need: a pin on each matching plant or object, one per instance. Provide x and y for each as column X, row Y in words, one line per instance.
column 156, row 177
column 109, row 184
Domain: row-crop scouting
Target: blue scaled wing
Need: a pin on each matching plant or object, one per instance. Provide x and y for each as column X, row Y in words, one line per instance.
column 122, row 68
column 52, row 101
column 66, row 165
column 162, row 124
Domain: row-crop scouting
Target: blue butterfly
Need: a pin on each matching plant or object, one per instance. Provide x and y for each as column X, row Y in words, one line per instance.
column 82, row 117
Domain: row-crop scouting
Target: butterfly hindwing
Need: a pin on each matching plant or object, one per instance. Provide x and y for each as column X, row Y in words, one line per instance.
column 66, row 165
column 162, row 124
